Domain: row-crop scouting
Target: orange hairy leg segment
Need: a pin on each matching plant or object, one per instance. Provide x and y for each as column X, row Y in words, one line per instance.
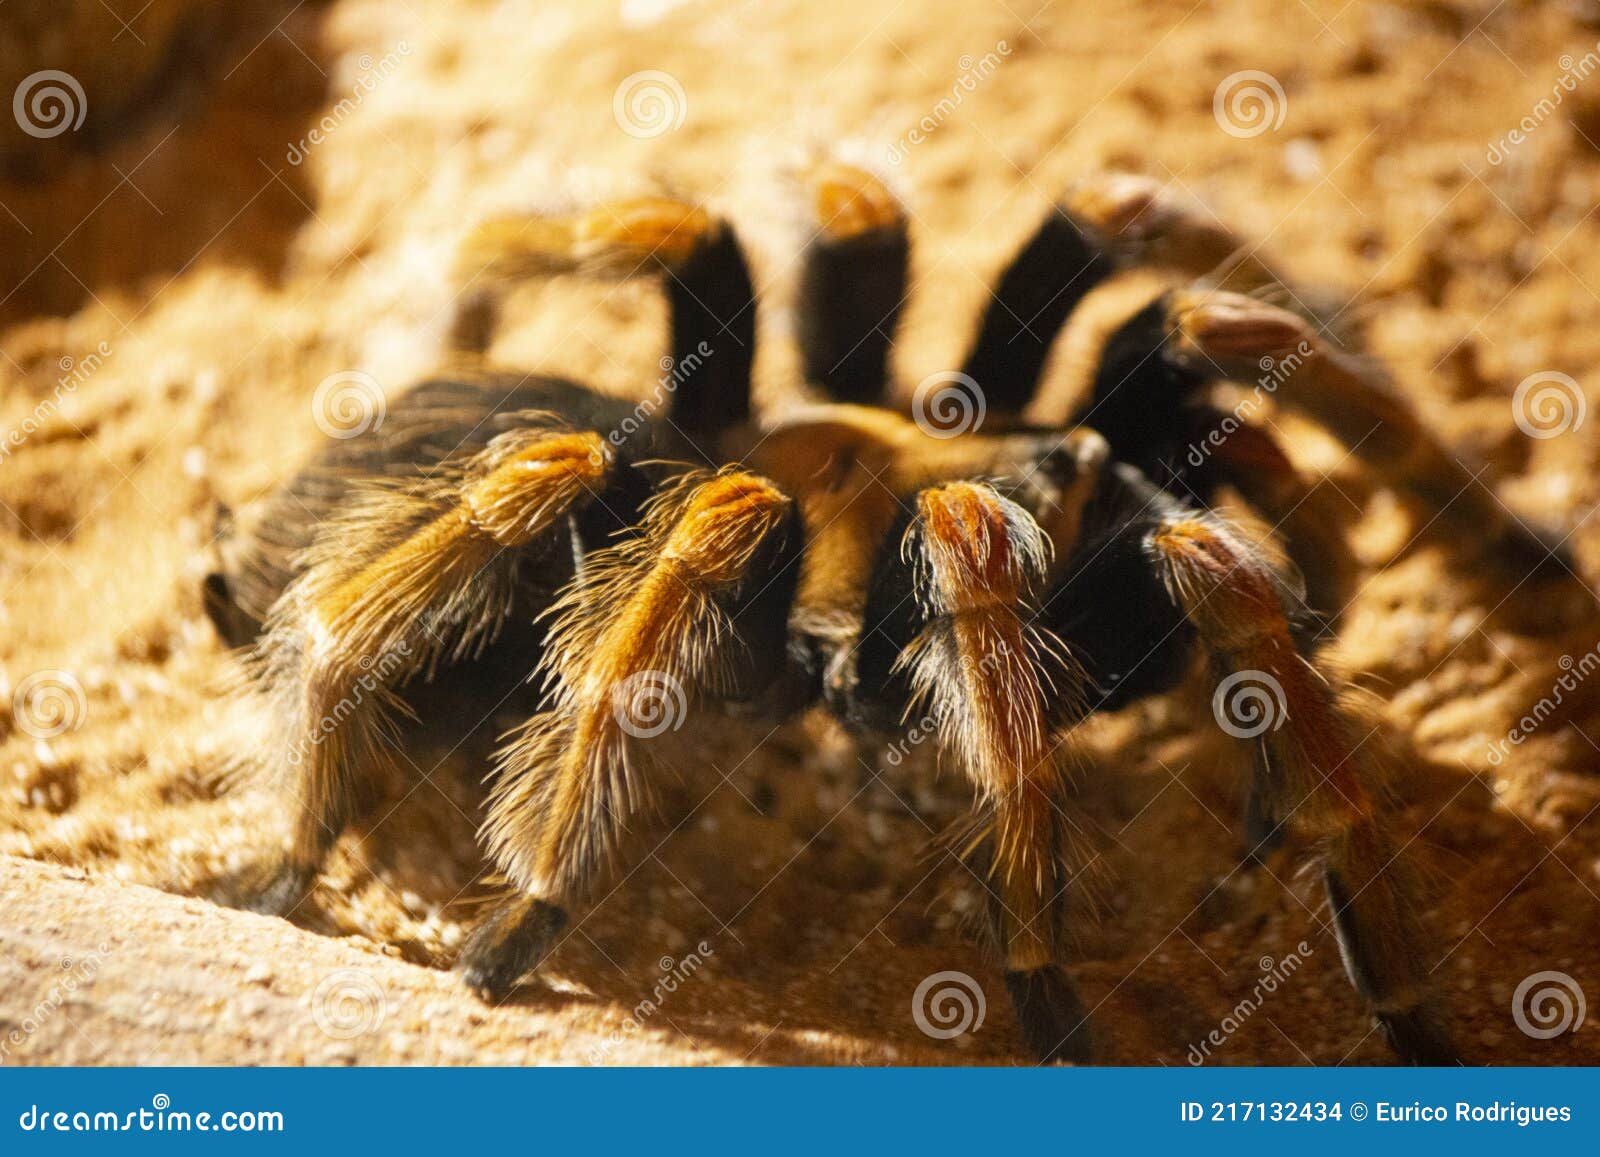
column 1319, row 775
column 990, row 677
column 645, row 621
column 508, row 505
column 616, row 238
column 1235, row 601
column 851, row 202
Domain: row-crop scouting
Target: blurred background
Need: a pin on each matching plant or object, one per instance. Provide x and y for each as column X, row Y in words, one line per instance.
column 208, row 211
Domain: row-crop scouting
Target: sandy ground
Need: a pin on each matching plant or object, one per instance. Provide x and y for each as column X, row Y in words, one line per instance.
column 179, row 277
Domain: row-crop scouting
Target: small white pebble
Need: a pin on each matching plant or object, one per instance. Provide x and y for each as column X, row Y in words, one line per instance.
column 1302, row 160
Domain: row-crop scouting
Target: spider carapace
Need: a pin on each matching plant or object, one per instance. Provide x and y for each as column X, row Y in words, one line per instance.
column 1007, row 573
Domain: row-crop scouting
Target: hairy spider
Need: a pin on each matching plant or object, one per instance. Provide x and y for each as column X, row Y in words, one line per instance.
column 1008, row 576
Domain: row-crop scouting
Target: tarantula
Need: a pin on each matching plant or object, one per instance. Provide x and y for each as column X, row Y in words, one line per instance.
column 1044, row 564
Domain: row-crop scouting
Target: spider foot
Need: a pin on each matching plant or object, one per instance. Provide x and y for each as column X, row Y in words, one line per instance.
column 1417, row 1037
column 1054, row 1023
column 274, row 890
column 509, row 942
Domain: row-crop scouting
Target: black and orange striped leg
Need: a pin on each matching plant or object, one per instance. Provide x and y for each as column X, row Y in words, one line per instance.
column 852, row 282
column 1322, row 779
column 694, row 608
column 995, row 684
column 1153, row 223
column 1354, row 399
column 710, row 296
column 1057, row 267
column 405, row 580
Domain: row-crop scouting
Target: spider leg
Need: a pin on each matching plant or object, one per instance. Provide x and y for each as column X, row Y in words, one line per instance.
column 405, row 578
column 709, row 291
column 994, row 684
column 1103, row 225
column 1352, row 397
column 1305, row 519
column 1321, row 778
column 1056, row 268
column 694, row 607
column 1145, row 221
column 852, row 282
column 1150, row 399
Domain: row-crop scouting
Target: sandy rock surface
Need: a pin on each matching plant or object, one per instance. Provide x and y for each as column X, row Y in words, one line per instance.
column 173, row 292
